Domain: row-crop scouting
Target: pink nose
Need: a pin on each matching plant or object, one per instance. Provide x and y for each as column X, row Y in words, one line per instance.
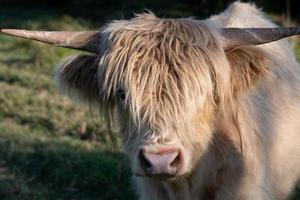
column 164, row 162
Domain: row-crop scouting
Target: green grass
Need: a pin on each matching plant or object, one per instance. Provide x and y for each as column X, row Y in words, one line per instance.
column 43, row 155
column 298, row 52
column 35, row 166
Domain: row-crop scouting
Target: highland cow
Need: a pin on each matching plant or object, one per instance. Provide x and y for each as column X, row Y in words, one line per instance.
column 206, row 109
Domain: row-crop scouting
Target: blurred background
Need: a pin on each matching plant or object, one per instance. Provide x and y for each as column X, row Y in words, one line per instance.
column 50, row 147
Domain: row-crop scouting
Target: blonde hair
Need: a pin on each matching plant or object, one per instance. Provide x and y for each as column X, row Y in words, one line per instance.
column 163, row 65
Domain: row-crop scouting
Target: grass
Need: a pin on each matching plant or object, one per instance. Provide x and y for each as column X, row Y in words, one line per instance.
column 35, row 166
column 43, row 153
column 297, row 50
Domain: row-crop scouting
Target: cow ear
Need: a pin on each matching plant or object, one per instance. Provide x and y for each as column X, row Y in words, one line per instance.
column 77, row 77
column 249, row 65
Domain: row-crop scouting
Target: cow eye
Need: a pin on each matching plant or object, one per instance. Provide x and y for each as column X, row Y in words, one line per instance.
column 121, row 94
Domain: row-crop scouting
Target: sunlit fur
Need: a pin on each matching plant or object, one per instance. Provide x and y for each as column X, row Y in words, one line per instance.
column 234, row 114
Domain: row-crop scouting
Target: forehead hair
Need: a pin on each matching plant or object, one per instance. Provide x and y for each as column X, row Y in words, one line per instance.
column 167, row 67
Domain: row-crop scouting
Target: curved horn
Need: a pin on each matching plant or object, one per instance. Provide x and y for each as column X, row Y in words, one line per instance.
column 82, row 40
column 235, row 37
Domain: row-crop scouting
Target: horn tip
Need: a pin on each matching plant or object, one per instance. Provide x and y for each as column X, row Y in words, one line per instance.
column 15, row 32
column 8, row 31
column 4, row 30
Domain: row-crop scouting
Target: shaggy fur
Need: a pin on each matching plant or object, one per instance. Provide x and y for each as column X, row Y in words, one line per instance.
column 80, row 72
column 234, row 114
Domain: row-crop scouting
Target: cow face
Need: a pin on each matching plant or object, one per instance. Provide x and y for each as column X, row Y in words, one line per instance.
column 165, row 77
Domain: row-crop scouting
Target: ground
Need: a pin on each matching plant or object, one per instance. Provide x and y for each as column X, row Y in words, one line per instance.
column 43, row 152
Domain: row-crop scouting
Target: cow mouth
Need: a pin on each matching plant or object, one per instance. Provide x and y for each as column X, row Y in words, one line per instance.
column 157, row 176
column 161, row 177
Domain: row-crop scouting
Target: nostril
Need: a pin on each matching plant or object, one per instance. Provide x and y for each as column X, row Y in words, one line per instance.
column 145, row 164
column 175, row 162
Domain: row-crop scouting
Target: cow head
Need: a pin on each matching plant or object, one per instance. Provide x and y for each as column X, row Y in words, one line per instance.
column 167, row 81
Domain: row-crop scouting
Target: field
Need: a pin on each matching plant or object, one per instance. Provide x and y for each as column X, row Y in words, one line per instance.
column 44, row 154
